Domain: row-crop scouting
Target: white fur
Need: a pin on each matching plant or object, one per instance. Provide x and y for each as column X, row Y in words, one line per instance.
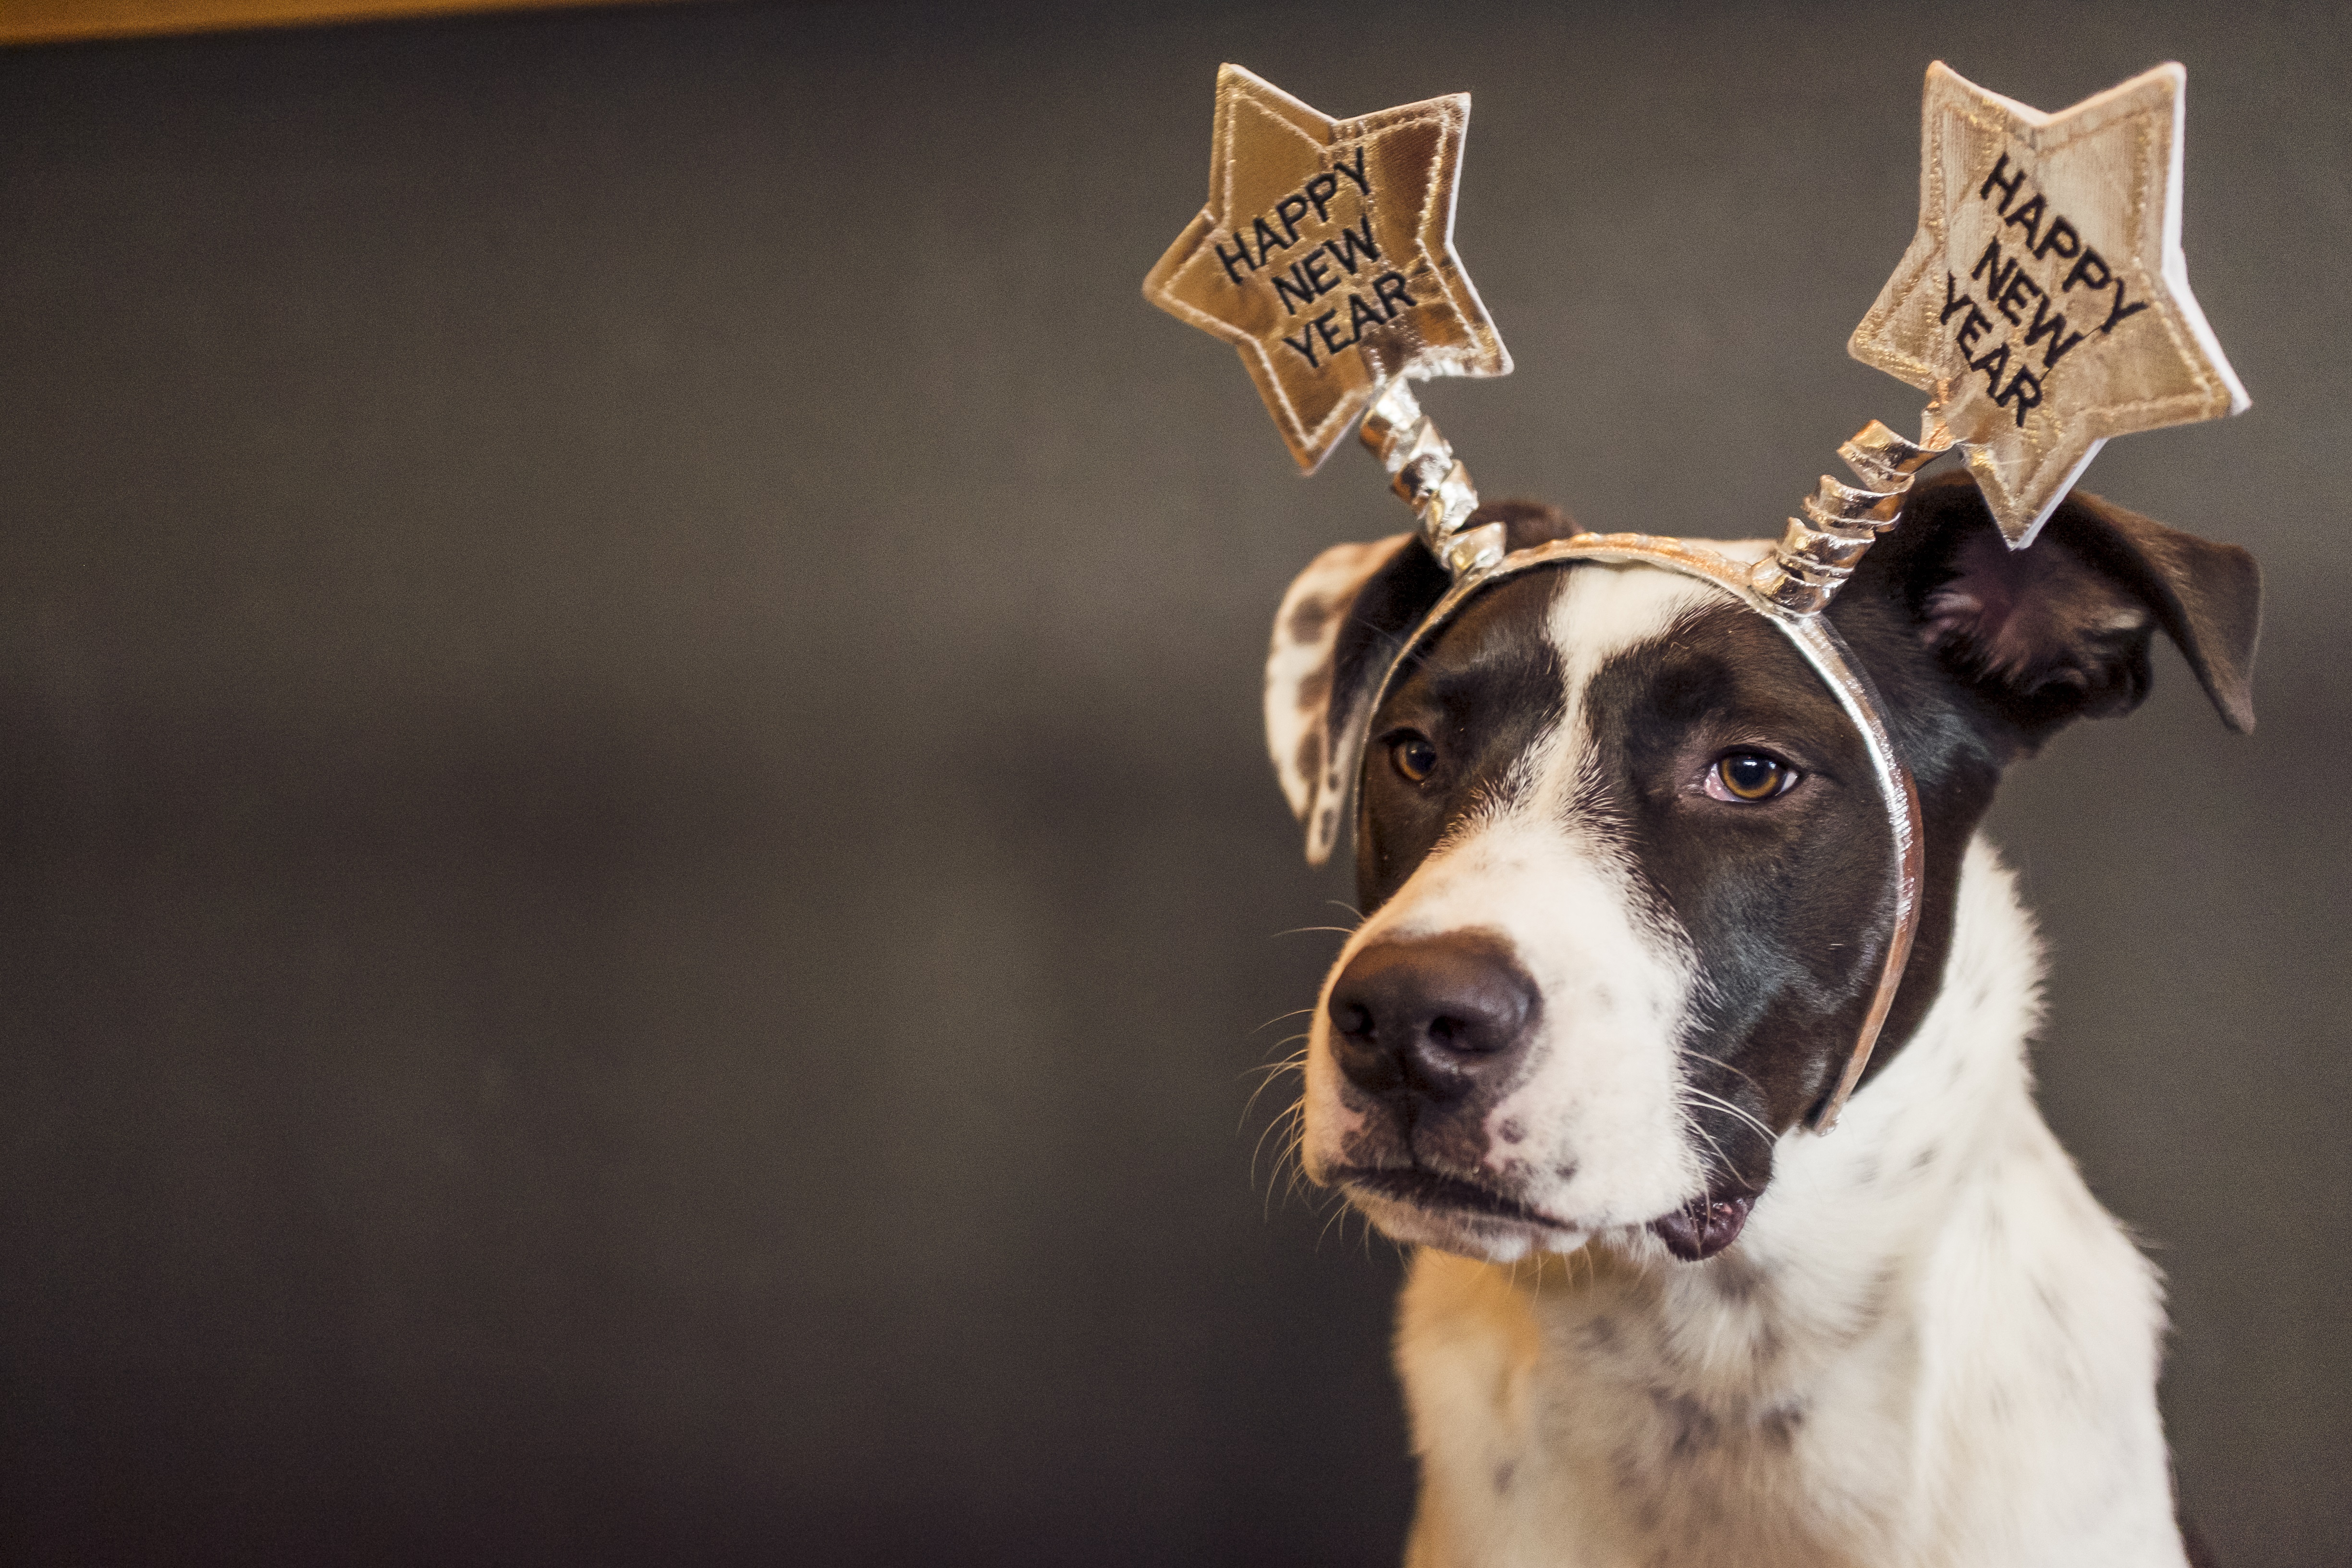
column 1929, row 1347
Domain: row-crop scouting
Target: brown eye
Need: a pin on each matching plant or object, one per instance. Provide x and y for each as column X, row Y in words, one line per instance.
column 1748, row 777
column 1414, row 757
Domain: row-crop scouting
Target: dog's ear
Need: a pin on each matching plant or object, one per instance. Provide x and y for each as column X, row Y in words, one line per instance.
column 1333, row 638
column 2060, row 629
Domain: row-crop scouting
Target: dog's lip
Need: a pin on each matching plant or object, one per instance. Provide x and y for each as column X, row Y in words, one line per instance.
column 1704, row 1226
column 1426, row 1189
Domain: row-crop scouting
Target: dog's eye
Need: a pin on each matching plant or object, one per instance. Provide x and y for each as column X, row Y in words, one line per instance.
column 1414, row 756
column 1748, row 777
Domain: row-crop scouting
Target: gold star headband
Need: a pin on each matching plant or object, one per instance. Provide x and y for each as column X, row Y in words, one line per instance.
column 1326, row 257
column 2043, row 306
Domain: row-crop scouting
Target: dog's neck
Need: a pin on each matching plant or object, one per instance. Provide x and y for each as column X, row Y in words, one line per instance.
column 1901, row 1360
column 1850, row 1215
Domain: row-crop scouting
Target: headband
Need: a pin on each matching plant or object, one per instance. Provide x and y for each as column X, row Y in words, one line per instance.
column 2043, row 304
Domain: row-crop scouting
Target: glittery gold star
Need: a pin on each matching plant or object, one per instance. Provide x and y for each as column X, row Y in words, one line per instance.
column 1325, row 256
column 2044, row 302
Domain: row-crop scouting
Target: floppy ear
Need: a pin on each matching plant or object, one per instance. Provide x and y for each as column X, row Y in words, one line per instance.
column 1333, row 637
column 2060, row 629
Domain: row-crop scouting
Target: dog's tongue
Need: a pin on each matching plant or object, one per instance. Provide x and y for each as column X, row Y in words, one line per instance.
column 1702, row 1227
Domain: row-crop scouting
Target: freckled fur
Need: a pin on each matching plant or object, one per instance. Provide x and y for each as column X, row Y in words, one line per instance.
column 1315, row 751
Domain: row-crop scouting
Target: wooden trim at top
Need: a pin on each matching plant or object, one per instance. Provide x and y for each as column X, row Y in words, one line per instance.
column 64, row 21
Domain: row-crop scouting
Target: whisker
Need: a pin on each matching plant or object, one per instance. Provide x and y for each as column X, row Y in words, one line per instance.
column 1718, row 1100
column 1339, row 1219
column 1281, row 1154
column 1278, row 1018
column 1295, row 1059
column 1700, row 1056
column 1702, row 1132
column 1293, row 1154
column 1259, row 1147
column 1267, row 1078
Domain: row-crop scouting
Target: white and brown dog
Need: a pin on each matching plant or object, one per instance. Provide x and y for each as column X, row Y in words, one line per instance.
column 1624, row 871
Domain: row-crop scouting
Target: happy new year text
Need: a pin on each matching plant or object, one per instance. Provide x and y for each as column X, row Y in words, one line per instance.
column 2009, row 288
column 1330, row 254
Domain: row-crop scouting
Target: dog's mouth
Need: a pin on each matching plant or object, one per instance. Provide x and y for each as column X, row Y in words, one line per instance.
column 1431, row 1191
column 1696, row 1231
column 1704, row 1226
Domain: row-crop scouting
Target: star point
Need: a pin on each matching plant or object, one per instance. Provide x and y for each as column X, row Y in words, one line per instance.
column 1326, row 257
column 2044, row 303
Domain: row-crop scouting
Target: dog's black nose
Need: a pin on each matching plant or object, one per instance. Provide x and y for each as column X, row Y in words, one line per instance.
column 1435, row 1015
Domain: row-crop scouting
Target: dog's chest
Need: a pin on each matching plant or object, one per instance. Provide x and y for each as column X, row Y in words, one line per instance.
column 1602, row 1414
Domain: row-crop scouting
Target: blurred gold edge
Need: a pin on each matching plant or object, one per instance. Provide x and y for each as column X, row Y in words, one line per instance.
column 74, row 21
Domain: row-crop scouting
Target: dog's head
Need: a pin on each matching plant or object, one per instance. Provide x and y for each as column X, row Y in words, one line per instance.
column 1624, row 867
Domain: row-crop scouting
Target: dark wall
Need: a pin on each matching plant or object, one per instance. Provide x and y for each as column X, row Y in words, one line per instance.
column 636, row 884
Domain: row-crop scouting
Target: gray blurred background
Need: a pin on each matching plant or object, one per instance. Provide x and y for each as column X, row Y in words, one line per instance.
column 638, row 886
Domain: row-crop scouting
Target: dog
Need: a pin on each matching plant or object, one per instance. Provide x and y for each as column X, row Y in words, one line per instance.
column 1624, row 878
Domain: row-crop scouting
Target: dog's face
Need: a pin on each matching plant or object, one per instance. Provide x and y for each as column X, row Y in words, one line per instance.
column 1630, row 870
column 1624, row 865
